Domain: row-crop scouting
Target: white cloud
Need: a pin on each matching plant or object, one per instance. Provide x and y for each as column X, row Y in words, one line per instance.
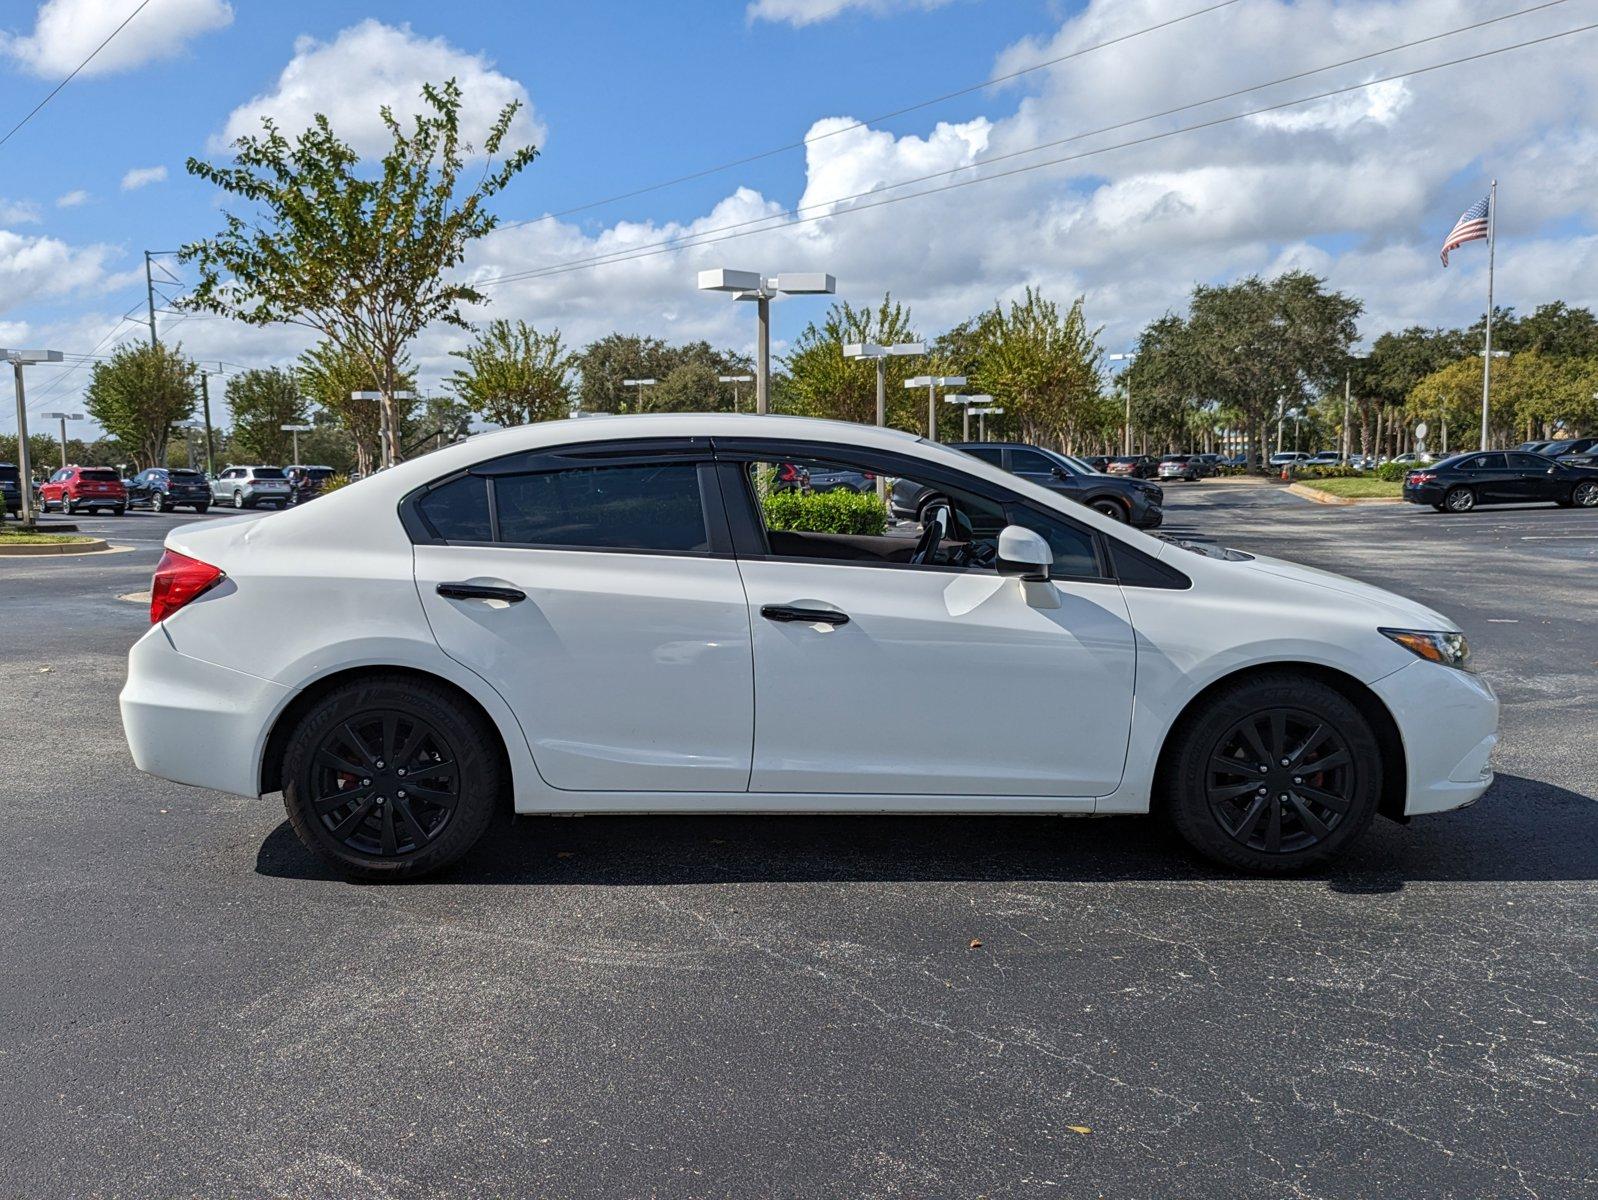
column 40, row 268
column 72, row 199
column 18, row 212
column 799, row 13
column 66, row 32
column 142, row 177
column 372, row 64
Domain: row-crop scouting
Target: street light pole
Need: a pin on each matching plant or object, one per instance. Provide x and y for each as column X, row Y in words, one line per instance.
column 880, row 355
column 296, row 430
column 735, row 380
column 1126, row 431
column 932, row 383
column 63, row 418
column 965, row 401
column 19, row 359
column 982, row 418
column 640, row 384
column 751, row 285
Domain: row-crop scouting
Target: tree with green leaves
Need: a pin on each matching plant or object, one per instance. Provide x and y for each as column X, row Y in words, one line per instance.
column 689, row 387
column 1043, row 366
column 515, row 374
column 606, row 361
column 363, row 258
column 140, row 394
column 328, row 374
column 263, row 401
column 823, row 383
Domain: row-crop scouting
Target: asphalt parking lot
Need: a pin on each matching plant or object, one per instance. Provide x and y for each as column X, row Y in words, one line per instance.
column 740, row 1007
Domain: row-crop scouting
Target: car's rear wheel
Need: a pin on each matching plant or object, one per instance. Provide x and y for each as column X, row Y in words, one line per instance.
column 388, row 778
column 238, row 499
column 1585, row 494
column 161, row 504
column 1459, row 500
column 202, row 509
column 1275, row 774
column 1110, row 508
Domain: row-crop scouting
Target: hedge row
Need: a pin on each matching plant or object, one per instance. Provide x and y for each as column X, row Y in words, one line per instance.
column 826, row 512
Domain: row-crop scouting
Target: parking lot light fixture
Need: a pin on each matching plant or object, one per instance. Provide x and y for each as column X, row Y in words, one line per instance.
column 880, row 355
column 965, row 400
column 19, row 359
column 735, row 380
column 63, row 417
column 932, row 383
column 982, row 414
column 641, row 385
column 1126, row 435
column 296, row 430
column 751, row 285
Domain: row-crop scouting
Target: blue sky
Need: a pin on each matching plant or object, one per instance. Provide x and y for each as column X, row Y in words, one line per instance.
column 622, row 94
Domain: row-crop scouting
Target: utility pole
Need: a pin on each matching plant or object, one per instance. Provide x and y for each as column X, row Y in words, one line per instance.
column 1487, row 347
column 149, row 296
column 1348, row 445
column 205, row 407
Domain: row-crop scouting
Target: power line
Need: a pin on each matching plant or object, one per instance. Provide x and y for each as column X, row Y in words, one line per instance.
column 35, row 109
column 704, row 237
column 898, row 112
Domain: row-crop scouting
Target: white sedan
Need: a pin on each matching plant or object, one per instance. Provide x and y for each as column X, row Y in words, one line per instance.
column 631, row 615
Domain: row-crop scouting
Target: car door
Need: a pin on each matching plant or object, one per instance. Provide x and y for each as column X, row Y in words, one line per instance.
column 1491, row 478
column 1534, row 477
column 598, row 594
column 943, row 681
column 1036, row 467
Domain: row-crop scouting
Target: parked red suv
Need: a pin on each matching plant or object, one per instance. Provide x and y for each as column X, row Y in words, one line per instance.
column 76, row 488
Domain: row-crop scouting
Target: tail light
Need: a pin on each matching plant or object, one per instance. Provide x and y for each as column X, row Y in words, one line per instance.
column 179, row 579
column 1421, row 476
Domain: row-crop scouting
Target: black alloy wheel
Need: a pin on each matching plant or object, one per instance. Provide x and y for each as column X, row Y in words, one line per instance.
column 1272, row 773
column 384, row 784
column 392, row 776
column 1459, row 500
column 1280, row 781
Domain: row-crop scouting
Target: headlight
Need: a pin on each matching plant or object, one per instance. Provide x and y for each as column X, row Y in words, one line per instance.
column 1448, row 649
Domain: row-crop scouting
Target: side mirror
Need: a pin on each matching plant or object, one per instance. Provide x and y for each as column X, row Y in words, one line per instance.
column 1024, row 554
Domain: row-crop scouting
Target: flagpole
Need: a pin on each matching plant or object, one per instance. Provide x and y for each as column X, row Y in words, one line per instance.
column 1487, row 348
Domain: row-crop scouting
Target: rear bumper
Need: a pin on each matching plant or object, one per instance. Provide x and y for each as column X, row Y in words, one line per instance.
column 194, row 722
column 1424, row 493
column 1448, row 721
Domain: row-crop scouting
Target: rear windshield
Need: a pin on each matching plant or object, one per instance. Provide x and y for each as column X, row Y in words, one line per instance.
column 100, row 476
column 185, row 476
column 268, row 472
column 318, row 472
column 8, row 473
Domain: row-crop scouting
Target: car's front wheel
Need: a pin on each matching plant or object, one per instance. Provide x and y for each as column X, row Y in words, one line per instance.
column 1274, row 774
column 389, row 778
column 1110, row 508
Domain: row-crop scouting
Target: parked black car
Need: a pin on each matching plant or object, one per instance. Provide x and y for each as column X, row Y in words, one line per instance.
column 1097, row 461
column 1130, row 500
column 1570, row 448
column 307, row 481
column 840, row 479
column 10, row 490
column 1460, row 483
column 164, row 488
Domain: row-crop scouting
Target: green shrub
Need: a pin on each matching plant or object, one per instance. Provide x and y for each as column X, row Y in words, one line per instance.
column 1326, row 473
column 1392, row 472
column 826, row 512
column 333, row 482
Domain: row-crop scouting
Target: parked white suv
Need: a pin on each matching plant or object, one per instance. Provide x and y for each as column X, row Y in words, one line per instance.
column 248, row 487
column 623, row 616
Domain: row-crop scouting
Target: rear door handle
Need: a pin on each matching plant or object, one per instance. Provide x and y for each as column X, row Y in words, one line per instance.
column 810, row 616
column 480, row 591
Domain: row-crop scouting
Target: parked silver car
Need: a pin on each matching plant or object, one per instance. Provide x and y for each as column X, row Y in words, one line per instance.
column 248, row 487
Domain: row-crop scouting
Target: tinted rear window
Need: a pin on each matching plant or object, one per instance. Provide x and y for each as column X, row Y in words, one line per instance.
column 268, row 472
column 8, row 473
column 625, row 508
column 101, row 476
column 185, row 476
column 458, row 510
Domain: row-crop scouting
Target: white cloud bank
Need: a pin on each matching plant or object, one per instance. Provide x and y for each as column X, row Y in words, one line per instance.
column 140, row 177
column 799, row 13
column 66, row 32
column 372, row 64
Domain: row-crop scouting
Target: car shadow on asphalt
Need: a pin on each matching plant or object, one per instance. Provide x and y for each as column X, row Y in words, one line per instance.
column 1522, row 830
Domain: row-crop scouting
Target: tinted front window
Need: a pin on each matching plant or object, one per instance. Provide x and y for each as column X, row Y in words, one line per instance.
column 624, row 508
column 1528, row 462
column 458, row 511
column 1030, row 462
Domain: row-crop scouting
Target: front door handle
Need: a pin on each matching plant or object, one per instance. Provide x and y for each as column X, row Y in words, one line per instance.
column 810, row 616
column 480, row 591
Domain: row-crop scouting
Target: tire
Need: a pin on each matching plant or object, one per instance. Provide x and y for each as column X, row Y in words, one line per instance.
column 1439, row 508
column 1317, row 821
column 67, row 506
column 367, row 835
column 120, row 510
column 202, row 509
column 1113, row 509
column 1459, row 500
column 238, row 500
column 160, row 504
column 1585, row 494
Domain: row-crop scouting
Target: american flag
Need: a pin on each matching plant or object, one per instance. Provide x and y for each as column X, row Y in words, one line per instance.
column 1471, row 227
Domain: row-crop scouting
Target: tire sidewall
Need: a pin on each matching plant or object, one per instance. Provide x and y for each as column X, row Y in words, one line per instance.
column 1470, row 504
column 474, row 744
column 1185, row 799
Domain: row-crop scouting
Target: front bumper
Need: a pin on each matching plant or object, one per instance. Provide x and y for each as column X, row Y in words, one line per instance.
column 195, row 722
column 1152, row 517
column 1448, row 720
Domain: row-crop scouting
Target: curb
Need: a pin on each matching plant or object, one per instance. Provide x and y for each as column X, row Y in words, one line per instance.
column 1320, row 497
column 96, row 546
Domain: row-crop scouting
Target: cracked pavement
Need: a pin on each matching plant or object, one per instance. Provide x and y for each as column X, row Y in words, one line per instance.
column 758, row 1006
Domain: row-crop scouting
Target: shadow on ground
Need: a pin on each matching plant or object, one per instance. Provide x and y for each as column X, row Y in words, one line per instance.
column 1523, row 830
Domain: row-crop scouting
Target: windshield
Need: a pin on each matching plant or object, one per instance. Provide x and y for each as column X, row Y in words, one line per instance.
column 185, row 476
column 8, row 473
column 268, row 472
column 99, row 476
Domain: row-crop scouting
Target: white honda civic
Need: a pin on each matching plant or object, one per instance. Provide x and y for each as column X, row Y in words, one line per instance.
column 648, row 614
